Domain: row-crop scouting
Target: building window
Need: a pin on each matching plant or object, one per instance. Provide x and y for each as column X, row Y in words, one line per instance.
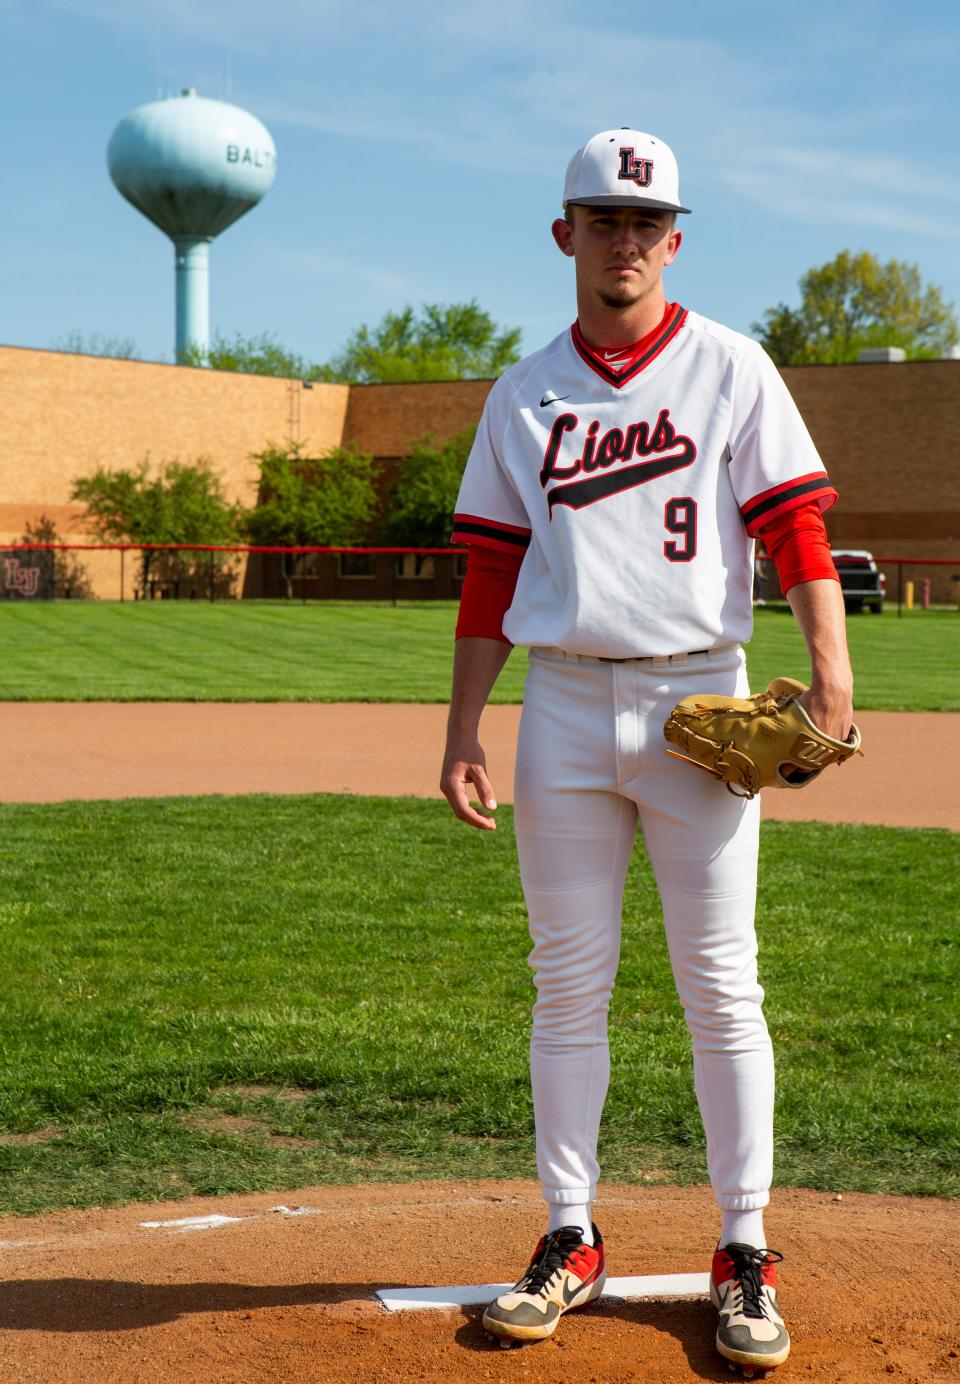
column 416, row 565
column 460, row 566
column 356, row 564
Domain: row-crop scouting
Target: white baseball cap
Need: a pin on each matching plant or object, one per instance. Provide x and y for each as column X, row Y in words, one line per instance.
column 624, row 168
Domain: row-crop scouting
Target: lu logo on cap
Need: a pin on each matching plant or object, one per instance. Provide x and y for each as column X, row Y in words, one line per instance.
column 624, row 168
column 639, row 171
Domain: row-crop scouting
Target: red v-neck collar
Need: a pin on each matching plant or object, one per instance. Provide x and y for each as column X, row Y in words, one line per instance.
column 642, row 352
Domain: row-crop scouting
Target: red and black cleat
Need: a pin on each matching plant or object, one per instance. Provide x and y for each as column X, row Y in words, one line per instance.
column 564, row 1273
column 751, row 1335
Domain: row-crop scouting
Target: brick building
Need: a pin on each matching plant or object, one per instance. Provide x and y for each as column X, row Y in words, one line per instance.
column 889, row 435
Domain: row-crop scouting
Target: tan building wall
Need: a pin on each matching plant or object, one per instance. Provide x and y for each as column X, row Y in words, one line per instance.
column 889, row 436
column 64, row 415
column 385, row 418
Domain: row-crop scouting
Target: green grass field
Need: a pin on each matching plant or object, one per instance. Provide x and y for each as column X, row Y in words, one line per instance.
column 213, row 995
column 362, row 651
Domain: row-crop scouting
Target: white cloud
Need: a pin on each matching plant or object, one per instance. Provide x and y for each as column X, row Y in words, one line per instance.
column 818, row 184
column 357, row 266
column 512, row 89
column 244, row 24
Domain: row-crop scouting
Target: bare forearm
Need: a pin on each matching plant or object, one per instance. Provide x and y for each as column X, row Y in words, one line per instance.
column 818, row 608
column 476, row 663
column 476, row 666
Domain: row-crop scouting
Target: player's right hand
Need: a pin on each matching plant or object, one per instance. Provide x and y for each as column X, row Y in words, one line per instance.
column 463, row 764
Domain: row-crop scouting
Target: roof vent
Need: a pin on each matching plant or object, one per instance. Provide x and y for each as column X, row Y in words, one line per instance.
column 882, row 355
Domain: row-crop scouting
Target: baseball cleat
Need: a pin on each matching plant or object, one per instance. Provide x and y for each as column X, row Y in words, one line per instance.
column 751, row 1334
column 564, row 1273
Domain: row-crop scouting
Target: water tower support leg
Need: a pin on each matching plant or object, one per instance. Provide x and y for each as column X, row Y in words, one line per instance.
column 192, row 260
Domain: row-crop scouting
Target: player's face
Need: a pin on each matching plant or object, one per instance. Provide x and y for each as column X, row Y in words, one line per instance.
column 620, row 252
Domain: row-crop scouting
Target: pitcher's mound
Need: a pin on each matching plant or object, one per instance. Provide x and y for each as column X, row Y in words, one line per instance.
column 241, row 1290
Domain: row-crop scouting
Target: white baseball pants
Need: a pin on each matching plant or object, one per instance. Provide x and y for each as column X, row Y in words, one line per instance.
column 591, row 763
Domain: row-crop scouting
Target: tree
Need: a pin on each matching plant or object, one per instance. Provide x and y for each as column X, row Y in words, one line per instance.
column 79, row 343
column 328, row 500
column 854, row 302
column 419, row 510
column 70, row 575
column 249, row 355
column 182, row 503
column 456, row 341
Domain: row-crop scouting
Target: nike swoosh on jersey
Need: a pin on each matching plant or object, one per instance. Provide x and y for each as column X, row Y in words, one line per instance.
column 551, row 398
column 580, row 493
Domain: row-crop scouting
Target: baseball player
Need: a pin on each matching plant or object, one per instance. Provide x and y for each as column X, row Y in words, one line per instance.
column 610, row 504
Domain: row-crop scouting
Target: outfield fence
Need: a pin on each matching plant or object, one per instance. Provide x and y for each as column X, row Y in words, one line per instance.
column 926, row 585
column 219, row 571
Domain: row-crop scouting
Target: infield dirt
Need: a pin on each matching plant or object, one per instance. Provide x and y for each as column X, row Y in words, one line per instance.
column 55, row 751
column 871, row 1287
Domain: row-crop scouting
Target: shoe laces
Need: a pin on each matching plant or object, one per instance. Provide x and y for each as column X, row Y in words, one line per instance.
column 748, row 1265
column 554, row 1253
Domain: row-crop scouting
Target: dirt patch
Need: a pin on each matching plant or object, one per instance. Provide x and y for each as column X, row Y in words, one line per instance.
column 294, row 1094
column 219, row 1122
column 55, row 751
column 871, row 1287
column 36, row 1136
column 291, row 1141
column 209, row 1120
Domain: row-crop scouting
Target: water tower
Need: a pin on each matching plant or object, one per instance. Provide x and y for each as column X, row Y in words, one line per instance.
column 193, row 166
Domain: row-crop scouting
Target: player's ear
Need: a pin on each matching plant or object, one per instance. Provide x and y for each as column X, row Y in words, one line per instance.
column 676, row 240
column 562, row 233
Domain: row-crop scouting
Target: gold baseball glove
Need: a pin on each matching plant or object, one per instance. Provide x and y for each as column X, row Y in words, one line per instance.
column 750, row 742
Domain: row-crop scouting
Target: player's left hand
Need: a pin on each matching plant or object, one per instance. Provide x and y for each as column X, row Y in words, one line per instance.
column 829, row 708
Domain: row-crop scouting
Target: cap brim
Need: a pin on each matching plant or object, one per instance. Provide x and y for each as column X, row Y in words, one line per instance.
column 617, row 201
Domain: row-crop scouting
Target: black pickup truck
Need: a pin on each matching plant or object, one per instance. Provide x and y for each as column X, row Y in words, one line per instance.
column 863, row 585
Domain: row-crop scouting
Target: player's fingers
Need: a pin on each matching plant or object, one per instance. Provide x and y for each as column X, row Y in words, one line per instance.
column 453, row 785
column 483, row 786
column 467, row 813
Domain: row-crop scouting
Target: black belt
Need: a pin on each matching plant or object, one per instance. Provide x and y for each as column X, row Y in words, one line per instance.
column 647, row 658
column 658, row 659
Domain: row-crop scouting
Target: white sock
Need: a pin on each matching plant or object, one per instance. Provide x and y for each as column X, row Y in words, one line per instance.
column 743, row 1228
column 565, row 1214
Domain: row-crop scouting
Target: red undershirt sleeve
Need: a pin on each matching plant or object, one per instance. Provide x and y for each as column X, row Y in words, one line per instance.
column 797, row 541
column 487, row 592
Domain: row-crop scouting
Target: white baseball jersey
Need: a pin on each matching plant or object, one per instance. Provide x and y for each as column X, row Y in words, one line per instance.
column 635, row 496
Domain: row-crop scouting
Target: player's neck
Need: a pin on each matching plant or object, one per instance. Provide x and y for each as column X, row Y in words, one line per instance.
column 602, row 326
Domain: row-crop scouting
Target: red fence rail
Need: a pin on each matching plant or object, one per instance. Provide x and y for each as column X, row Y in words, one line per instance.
column 214, row 548
column 901, row 562
column 16, row 582
column 362, row 550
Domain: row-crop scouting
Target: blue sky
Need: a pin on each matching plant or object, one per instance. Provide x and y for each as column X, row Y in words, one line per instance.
column 421, row 149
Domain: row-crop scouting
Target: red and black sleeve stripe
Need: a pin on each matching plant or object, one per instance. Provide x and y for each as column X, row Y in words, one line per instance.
column 489, row 533
column 769, row 505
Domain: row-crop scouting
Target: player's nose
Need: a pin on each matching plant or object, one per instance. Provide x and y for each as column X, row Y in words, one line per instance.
column 626, row 242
